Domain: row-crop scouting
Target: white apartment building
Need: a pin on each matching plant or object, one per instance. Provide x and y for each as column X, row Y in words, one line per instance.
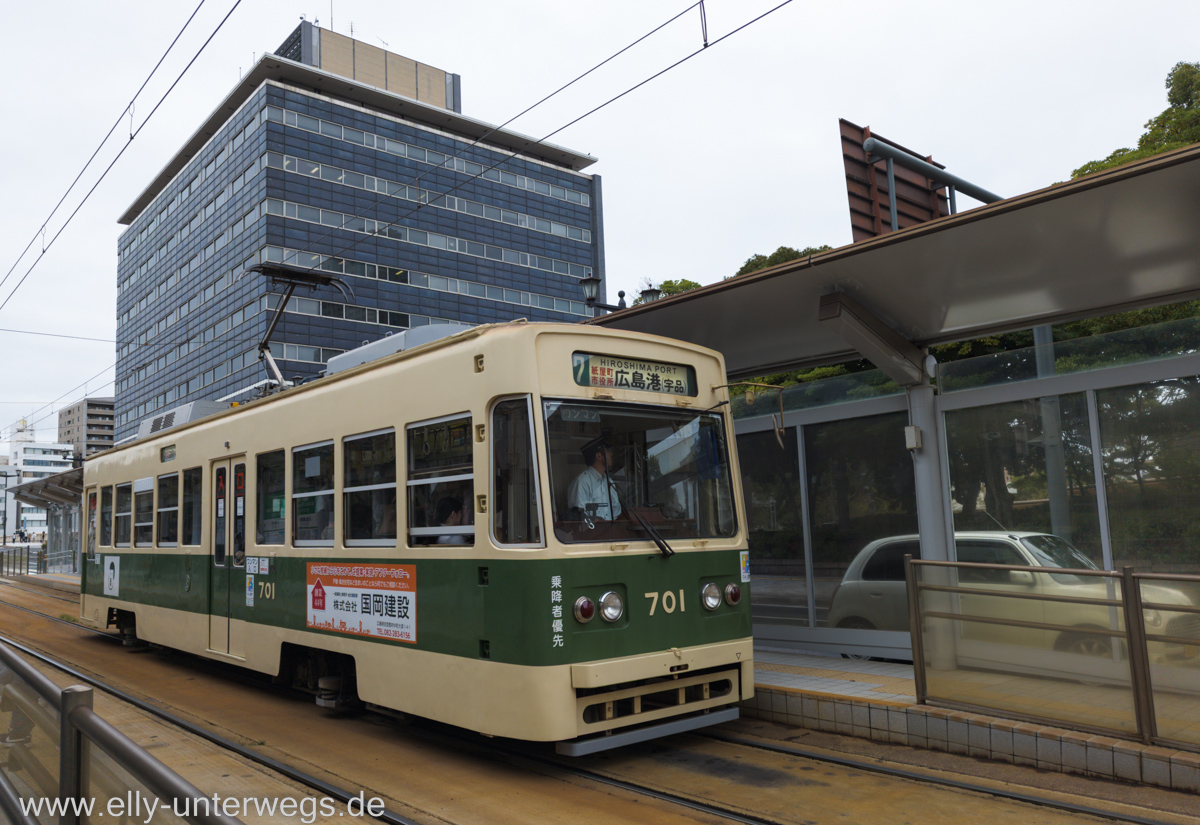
column 29, row 460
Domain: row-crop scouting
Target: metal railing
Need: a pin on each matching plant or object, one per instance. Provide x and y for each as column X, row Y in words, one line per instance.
column 22, row 560
column 66, row 716
column 1103, row 651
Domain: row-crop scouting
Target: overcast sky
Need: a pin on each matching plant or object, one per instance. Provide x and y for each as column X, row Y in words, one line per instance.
column 733, row 152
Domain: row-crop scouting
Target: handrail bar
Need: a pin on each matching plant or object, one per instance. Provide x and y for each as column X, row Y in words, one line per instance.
column 1045, row 571
column 147, row 769
column 967, row 617
column 1170, row 608
column 10, row 802
column 1004, row 594
column 1174, row 577
column 33, row 677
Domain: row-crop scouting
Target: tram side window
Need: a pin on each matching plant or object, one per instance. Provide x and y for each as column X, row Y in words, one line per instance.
column 312, row 495
column 91, row 525
column 189, row 527
column 168, row 510
column 124, row 514
column 268, row 498
column 369, row 488
column 106, row 514
column 143, row 512
column 516, row 516
column 441, row 482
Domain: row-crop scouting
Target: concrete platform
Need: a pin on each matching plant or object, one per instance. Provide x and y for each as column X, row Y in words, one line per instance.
column 877, row 701
column 64, row 582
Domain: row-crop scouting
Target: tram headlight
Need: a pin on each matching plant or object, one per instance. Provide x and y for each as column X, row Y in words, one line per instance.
column 585, row 609
column 611, row 606
column 733, row 594
column 710, row 596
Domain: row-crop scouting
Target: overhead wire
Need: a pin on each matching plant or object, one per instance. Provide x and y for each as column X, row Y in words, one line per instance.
column 528, row 144
column 41, row 231
column 495, row 129
column 535, row 142
column 132, row 136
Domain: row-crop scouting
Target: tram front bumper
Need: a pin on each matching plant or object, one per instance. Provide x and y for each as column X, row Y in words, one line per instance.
column 638, row 691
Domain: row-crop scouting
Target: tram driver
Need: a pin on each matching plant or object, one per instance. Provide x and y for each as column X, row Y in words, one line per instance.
column 593, row 491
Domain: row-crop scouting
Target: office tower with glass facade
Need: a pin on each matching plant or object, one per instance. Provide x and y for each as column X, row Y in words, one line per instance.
column 340, row 156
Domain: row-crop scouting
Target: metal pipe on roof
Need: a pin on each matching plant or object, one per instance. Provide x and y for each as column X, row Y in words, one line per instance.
column 879, row 149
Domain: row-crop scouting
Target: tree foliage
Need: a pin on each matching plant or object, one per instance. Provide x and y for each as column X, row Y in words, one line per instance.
column 671, row 288
column 1176, row 126
column 781, row 255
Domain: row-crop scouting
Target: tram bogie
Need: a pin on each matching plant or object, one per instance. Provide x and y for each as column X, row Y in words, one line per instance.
column 528, row 530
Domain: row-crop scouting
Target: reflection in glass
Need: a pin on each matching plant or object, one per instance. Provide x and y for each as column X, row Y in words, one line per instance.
column 441, row 483
column 1150, row 438
column 628, row 472
column 312, row 494
column 268, row 498
column 1025, row 465
column 192, row 512
column 369, row 506
column 516, row 518
column 124, row 514
column 771, row 488
column 860, row 490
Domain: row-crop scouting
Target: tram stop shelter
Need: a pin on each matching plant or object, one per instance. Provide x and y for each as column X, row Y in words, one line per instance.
column 1092, row 439
column 61, row 496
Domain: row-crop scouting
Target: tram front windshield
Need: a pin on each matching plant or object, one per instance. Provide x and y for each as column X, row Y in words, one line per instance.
column 627, row 472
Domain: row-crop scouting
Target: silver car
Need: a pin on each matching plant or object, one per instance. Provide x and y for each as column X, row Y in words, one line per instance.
column 872, row 594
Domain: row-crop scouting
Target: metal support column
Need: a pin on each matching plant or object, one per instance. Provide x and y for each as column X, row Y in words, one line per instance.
column 1139, row 657
column 931, row 491
column 70, row 752
column 1052, row 437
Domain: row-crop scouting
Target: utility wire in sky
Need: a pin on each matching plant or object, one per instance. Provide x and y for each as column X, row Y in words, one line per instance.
column 132, row 136
column 41, row 231
column 532, row 142
column 493, row 131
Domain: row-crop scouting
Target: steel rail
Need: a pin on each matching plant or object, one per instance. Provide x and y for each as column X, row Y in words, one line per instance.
column 40, row 591
column 957, row 784
column 343, row 795
column 48, row 617
column 559, row 764
column 326, row 788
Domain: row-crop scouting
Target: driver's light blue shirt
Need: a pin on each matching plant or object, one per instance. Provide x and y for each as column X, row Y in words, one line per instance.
column 589, row 488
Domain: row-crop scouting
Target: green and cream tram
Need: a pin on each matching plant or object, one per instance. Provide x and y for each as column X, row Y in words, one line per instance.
column 528, row 530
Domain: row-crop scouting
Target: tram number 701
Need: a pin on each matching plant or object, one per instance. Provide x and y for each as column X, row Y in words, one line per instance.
column 668, row 601
column 266, row 590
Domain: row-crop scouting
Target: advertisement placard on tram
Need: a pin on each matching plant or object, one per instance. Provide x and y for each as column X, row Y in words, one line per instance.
column 376, row 600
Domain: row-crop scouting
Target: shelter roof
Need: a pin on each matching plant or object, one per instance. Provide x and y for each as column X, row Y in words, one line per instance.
column 1115, row 240
column 61, row 488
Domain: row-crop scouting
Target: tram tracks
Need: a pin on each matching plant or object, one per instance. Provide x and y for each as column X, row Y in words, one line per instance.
column 589, row 770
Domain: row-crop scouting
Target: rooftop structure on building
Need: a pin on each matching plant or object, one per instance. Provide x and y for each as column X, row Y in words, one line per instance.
column 340, row 156
column 87, row 425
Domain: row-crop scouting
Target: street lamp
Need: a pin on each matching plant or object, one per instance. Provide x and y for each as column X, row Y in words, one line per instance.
column 591, row 291
column 651, row 294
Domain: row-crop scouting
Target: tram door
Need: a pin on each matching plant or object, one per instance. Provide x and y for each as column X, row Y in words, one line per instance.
column 227, row 564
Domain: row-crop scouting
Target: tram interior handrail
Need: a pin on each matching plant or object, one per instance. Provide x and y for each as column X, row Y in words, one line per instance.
column 1128, row 619
column 72, row 720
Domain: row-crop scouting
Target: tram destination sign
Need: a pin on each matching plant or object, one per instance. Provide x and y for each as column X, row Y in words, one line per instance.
column 593, row 370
